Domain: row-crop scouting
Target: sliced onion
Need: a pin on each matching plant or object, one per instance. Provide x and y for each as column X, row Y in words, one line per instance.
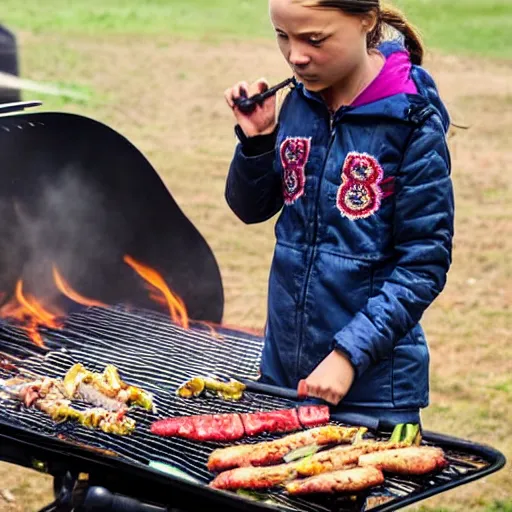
column 300, row 453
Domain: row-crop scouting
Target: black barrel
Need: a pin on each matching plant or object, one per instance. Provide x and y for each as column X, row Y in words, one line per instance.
column 8, row 64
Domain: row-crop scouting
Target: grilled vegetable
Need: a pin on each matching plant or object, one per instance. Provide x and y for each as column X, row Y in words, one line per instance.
column 255, row 496
column 105, row 389
column 171, row 470
column 272, row 452
column 108, row 421
column 302, row 452
column 191, row 388
column 348, row 480
column 232, row 390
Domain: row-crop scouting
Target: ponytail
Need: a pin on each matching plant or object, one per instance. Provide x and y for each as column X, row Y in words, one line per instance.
column 395, row 19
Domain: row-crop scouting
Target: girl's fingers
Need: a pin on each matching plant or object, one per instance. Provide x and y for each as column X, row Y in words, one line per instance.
column 241, row 89
column 228, row 96
column 329, row 395
column 303, row 389
column 233, row 93
column 259, row 86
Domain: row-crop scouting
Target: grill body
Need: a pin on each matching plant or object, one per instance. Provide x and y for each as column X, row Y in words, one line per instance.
column 152, row 352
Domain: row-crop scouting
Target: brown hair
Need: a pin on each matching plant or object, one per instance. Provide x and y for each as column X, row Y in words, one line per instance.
column 386, row 15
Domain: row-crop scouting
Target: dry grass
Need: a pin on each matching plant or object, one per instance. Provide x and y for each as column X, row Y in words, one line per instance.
column 166, row 97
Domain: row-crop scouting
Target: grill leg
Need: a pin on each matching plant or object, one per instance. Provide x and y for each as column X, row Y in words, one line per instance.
column 63, row 486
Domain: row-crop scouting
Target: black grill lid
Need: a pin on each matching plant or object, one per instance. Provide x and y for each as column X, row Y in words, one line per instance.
column 76, row 193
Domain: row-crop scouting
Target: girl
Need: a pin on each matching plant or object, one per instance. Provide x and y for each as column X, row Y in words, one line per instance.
column 357, row 162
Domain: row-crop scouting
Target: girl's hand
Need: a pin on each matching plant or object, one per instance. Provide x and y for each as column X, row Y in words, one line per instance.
column 331, row 379
column 262, row 120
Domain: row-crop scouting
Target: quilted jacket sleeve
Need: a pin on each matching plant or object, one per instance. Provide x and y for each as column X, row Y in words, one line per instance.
column 423, row 243
column 253, row 186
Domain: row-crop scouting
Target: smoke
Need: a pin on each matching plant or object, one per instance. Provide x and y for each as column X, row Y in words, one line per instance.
column 60, row 220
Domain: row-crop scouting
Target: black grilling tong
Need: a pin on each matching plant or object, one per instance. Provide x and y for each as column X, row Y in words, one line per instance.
column 247, row 105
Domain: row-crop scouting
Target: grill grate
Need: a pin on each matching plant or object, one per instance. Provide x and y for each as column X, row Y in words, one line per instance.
column 155, row 354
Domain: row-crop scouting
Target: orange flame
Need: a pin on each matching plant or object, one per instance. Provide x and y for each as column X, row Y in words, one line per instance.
column 176, row 306
column 66, row 289
column 30, row 313
column 34, row 308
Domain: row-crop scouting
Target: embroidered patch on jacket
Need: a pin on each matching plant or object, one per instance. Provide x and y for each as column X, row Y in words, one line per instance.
column 294, row 157
column 360, row 192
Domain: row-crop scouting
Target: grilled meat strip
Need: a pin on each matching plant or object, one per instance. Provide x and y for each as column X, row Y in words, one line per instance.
column 313, row 415
column 341, row 457
column 204, row 427
column 285, row 420
column 414, row 460
column 233, row 426
column 272, row 452
column 348, row 480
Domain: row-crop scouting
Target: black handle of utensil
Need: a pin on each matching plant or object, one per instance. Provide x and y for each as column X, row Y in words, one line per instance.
column 247, row 105
column 100, row 499
column 269, row 389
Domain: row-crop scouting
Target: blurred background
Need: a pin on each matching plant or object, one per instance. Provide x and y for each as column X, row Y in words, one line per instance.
column 155, row 71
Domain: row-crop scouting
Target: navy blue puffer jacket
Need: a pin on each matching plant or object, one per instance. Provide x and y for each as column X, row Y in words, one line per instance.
column 363, row 240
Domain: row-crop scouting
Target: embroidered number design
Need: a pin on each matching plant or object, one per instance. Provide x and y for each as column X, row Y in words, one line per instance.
column 360, row 193
column 294, row 157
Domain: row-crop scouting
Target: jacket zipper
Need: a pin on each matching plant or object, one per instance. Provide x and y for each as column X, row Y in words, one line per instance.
column 302, row 303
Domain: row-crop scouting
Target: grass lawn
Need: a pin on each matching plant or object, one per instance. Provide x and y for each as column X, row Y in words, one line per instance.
column 464, row 26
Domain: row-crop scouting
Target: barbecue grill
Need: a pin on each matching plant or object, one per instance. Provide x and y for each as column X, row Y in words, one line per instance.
column 76, row 193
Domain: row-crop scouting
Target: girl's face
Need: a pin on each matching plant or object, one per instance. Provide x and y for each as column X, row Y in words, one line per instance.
column 321, row 45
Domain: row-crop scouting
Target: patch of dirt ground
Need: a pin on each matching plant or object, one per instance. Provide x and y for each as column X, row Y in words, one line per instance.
column 166, row 97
